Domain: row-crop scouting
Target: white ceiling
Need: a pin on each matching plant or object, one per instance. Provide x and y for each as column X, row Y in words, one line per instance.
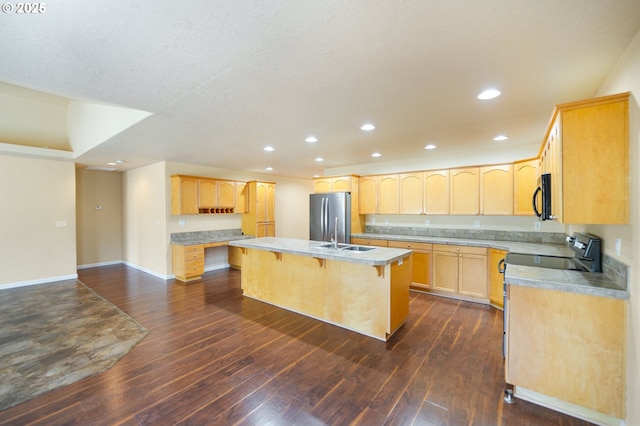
column 225, row 78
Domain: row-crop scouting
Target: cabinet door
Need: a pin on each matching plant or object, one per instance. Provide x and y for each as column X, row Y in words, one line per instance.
column 226, row 194
column 241, row 198
column 495, row 277
column 341, row 184
column 184, row 195
column 436, row 192
column 368, row 197
column 270, row 202
column 473, row 275
column 207, row 193
column 388, row 202
column 525, row 178
column 595, row 163
column 445, row 271
column 465, row 191
column 322, row 185
column 496, row 190
column 411, row 193
column 266, row 229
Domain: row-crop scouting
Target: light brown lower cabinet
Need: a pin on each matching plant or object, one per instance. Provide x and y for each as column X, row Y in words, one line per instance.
column 460, row 270
column 496, row 279
column 188, row 261
column 567, row 350
column 422, row 261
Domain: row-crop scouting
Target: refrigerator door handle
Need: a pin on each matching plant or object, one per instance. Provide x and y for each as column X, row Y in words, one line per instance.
column 322, row 219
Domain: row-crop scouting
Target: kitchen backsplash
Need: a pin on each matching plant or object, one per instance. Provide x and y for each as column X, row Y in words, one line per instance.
column 475, row 234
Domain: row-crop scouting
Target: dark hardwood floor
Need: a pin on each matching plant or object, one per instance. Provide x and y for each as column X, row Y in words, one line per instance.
column 213, row 357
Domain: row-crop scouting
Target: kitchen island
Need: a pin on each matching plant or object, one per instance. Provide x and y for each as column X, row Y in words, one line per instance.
column 364, row 291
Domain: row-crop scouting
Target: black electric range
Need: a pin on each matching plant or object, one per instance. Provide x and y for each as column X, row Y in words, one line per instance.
column 587, row 256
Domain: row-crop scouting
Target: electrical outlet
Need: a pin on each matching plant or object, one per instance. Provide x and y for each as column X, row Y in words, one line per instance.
column 386, row 221
column 476, row 224
column 536, row 225
column 373, row 220
column 618, row 244
column 61, row 223
column 426, row 222
column 181, row 222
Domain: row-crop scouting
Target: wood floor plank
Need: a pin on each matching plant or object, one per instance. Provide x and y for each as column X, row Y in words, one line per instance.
column 215, row 357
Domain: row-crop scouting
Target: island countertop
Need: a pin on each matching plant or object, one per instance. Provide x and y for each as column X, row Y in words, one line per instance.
column 378, row 256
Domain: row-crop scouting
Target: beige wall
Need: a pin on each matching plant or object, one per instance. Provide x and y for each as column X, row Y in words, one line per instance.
column 625, row 77
column 144, row 219
column 37, row 221
column 99, row 217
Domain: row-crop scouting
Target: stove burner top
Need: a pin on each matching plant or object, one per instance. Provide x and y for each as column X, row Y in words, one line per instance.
column 550, row 262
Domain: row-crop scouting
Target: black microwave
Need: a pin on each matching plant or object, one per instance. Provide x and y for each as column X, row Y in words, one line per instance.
column 544, row 189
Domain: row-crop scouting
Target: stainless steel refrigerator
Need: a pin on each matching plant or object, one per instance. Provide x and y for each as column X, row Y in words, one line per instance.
column 326, row 211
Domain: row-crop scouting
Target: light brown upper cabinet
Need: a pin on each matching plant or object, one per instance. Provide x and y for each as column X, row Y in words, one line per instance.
column 378, row 194
column 465, row 191
column 184, row 195
column 213, row 193
column 496, row 190
column 388, row 197
column 525, row 177
column 436, row 192
column 334, row 184
column 586, row 150
column 368, row 197
column 411, row 193
column 241, row 197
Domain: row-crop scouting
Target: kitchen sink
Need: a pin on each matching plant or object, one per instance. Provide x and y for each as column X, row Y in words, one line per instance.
column 346, row 247
column 358, row 248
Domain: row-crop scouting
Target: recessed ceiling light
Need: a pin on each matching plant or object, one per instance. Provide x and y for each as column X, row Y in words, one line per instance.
column 430, row 146
column 367, row 127
column 112, row 164
column 316, row 176
column 120, row 161
column 311, row 139
column 501, row 138
column 376, row 154
column 489, row 94
column 269, row 168
column 319, row 159
column 269, row 148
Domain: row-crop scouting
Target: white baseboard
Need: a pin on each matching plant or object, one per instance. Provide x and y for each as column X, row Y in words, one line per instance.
column 567, row 408
column 148, row 271
column 39, row 281
column 95, row 265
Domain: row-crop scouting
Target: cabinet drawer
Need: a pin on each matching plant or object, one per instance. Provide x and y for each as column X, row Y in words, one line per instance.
column 368, row 242
column 460, row 249
column 194, row 267
column 196, row 248
column 410, row 245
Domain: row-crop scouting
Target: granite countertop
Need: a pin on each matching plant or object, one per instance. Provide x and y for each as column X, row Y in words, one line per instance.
column 510, row 246
column 208, row 240
column 590, row 283
column 379, row 256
